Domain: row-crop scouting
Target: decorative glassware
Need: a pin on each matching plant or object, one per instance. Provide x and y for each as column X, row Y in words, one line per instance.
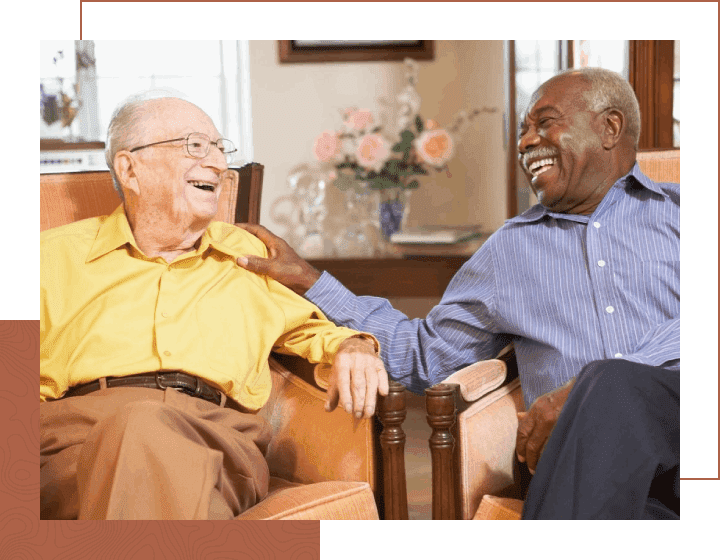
column 304, row 211
column 394, row 209
column 359, row 234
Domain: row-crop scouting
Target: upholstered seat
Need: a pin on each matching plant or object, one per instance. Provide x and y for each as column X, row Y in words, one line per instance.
column 473, row 414
column 322, row 465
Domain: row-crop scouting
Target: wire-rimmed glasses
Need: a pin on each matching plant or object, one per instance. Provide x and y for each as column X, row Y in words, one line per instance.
column 198, row 145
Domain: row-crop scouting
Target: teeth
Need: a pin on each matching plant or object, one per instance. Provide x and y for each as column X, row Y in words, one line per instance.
column 535, row 165
column 202, row 185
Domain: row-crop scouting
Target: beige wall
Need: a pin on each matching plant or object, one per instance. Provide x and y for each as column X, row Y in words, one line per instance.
column 293, row 103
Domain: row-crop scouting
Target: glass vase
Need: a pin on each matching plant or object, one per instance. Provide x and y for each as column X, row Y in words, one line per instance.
column 359, row 234
column 394, row 209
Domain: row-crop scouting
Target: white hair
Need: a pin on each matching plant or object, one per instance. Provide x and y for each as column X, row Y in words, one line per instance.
column 609, row 89
column 125, row 130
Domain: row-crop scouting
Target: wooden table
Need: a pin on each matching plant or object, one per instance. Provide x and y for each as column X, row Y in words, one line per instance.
column 409, row 276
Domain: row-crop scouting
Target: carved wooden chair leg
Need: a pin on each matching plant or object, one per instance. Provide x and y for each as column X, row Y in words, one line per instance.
column 391, row 412
column 440, row 401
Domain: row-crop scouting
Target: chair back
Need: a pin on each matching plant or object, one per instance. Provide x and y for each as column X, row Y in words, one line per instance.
column 662, row 166
column 69, row 197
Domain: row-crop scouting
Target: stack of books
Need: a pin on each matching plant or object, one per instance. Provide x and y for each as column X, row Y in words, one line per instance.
column 436, row 240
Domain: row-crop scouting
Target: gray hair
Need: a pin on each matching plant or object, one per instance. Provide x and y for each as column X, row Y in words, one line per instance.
column 610, row 89
column 125, row 126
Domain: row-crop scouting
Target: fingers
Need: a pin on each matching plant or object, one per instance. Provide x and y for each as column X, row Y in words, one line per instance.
column 383, row 380
column 343, row 385
column 255, row 264
column 270, row 240
column 333, row 397
column 371, row 389
column 525, row 428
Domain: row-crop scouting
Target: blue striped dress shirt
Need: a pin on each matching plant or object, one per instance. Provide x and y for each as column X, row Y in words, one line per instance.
column 565, row 289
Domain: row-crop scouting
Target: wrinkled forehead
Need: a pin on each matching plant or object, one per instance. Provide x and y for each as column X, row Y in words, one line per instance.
column 561, row 94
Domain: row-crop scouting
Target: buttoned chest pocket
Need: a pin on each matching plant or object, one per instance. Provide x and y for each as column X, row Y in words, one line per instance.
column 655, row 287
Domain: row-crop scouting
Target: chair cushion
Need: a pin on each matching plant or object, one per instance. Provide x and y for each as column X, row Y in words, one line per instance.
column 486, row 438
column 493, row 507
column 322, row 500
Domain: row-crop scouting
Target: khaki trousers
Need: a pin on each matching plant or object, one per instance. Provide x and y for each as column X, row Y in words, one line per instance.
column 136, row 453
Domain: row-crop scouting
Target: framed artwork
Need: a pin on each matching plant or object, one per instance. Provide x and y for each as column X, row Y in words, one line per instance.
column 354, row 51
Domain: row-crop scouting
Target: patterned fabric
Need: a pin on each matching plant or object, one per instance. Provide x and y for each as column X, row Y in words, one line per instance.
column 566, row 289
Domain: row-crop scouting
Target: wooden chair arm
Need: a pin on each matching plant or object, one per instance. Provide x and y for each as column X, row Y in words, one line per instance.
column 490, row 385
column 369, row 450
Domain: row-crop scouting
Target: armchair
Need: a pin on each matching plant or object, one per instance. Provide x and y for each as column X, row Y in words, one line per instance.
column 476, row 474
column 322, row 465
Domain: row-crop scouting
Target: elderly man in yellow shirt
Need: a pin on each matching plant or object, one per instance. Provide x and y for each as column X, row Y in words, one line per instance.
column 154, row 343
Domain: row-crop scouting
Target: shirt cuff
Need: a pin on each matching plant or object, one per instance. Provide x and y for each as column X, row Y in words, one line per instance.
column 329, row 294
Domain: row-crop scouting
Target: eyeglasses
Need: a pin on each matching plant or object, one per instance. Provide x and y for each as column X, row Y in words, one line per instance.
column 197, row 145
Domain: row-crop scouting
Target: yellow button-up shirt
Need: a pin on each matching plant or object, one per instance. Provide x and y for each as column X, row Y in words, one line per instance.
column 106, row 309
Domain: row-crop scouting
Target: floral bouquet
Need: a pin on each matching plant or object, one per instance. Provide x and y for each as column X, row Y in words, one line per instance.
column 364, row 157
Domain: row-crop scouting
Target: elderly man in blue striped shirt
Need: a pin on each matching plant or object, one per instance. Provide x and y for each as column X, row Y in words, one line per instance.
column 586, row 284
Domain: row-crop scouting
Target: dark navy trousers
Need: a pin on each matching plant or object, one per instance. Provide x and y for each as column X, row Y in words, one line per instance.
column 615, row 450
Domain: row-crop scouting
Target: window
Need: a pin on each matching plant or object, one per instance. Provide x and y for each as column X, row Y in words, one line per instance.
column 98, row 75
column 651, row 67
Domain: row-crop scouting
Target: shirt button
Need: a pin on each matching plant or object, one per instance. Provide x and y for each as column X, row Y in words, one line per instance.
column 618, row 355
column 600, row 263
column 610, row 309
column 596, row 224
column 167, row 353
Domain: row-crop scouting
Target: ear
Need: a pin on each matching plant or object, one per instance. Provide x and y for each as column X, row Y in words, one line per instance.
column 124, row 165
column 613, row 127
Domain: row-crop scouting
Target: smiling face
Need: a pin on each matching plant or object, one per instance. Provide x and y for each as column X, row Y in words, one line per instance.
column 171, row 185
column 561, row 150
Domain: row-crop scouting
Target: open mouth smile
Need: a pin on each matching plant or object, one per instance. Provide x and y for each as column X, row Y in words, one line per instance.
column 540, row 166
column 203, row 186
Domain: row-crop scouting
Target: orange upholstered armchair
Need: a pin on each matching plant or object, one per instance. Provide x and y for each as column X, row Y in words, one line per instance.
column 322, row 465
column 473, row 416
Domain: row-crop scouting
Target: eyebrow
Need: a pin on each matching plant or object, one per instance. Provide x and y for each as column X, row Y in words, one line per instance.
column 538, row 113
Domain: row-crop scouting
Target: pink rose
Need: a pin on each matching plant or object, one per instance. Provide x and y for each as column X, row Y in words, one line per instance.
column 372, row 152
column 434, row 146
column 326, row 146
column 359, row 120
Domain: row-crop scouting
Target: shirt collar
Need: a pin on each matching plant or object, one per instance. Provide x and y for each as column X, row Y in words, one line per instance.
column 634, row 179
column 115, row 232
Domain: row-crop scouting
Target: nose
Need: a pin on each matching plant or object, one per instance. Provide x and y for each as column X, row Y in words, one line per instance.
column 215, row 159
column 527, row 139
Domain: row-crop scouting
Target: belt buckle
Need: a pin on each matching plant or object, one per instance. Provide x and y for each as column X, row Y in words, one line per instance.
column 194, row 393
column 157, row 381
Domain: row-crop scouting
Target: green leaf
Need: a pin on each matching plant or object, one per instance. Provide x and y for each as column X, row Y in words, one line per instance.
column 380, row 183
column 406, row 136
column 419, row 123
column 344, row 182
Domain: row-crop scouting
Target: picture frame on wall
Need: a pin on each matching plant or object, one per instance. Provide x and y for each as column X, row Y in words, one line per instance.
column 354, row 51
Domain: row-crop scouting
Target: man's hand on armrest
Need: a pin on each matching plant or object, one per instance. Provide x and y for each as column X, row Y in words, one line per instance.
column 535, row 425
column 283, row 264
column 358, row 375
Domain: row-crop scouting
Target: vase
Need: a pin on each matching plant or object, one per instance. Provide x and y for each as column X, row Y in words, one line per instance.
column 303, row 212
column 394, row 208
column 359, row 233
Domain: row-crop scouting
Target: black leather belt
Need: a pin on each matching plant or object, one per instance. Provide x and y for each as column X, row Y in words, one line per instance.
column 184, row 382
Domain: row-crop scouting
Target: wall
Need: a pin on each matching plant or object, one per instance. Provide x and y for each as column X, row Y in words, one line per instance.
column 293, row 103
